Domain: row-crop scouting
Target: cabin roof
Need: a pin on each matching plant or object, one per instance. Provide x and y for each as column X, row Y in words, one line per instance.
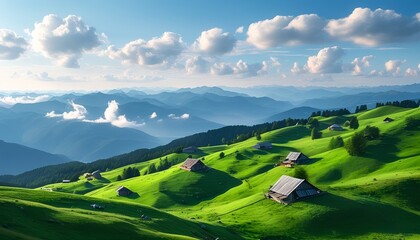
column 293, row 156
column 190, row 162
column 286, row 184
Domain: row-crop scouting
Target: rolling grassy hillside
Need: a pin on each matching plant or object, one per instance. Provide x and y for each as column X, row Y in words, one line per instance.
column 373, row 196
column 34, row 214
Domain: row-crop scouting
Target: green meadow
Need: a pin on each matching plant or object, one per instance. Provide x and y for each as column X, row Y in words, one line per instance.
column 372, row 196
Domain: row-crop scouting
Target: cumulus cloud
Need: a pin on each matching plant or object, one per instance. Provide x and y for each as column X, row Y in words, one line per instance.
column 288, row 30
column 183, row 116
column 12, row 46
column 242, row 68
column 411, row 72
column 9, row 100
column 296, row 69
column 111, row 116
column 359, row 64
column 159, row 50
column 215, row 42
column 196, row 64
column 393, row 66
column 221, row 69
column 366, row 27
column 153, row 115
column 79, row 113
column 64, row 39
column 328, row 60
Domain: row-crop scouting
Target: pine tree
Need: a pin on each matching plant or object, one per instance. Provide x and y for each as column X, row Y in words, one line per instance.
column 354, row 123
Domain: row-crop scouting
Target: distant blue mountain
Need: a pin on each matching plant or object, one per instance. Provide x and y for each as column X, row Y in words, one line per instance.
column 299, row 112
column 16, row 159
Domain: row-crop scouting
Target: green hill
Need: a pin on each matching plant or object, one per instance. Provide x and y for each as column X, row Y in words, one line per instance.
column 372, row 196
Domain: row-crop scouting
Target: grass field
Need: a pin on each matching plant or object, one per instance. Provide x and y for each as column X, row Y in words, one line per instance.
column 373, row 196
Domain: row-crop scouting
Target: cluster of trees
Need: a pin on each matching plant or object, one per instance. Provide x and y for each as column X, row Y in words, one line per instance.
column 331, row 113
column 356, row 145
column 128, row 173
column 361, row 108
column 403, row 104
column 300, row 172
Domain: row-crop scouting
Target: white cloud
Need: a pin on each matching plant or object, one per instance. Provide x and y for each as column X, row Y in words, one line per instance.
column 12, row 46
column 296, row 69
column 9, row 100
column 183, row 116
column 242, row 68
column 359, row 64
column 221, row 69
column 111, row 116
column 288, row 30
column 240, row 29
column 393, row 66
column 328, row 60
column 79, row 113
column 411, row 72
column 159, row 50
column 215, row 42
column 366, row 27
column 64, row 39
column 196, row 64
column 153, row 115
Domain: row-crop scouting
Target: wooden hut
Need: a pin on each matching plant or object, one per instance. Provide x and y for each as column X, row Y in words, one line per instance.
column 335, row 127
column 289, row 189
column 191, row 164
column 263, row 145
column 294, row 158
column 123, row 191
column 388, row 120
column 97, row 174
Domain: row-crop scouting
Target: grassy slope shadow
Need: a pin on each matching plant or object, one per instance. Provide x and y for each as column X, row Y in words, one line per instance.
column 190, row 188
column 354, row 218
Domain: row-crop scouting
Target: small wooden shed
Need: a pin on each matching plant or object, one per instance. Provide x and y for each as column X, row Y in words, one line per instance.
column 191, row 164
column 289, row 189
column 97, row 174
column 263, row 145
column 294, row 158
column 123, row 191
column 335, row 127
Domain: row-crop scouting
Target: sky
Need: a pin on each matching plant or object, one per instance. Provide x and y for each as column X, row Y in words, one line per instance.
column 96, row 45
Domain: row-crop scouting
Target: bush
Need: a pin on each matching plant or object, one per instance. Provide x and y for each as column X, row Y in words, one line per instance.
column 356, row 145
column 301, row 173
column 412, row 123
column 313, row 123
column 336, row 142
column 371, row 132
column 221, row 155
column 315, row 134
column 354, row 123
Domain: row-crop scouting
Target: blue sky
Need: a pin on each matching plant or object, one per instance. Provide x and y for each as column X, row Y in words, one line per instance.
column 96, row 45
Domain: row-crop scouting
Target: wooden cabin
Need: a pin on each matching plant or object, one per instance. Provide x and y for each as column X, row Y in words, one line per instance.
column 289, row 189
column 263, row 145
column 123, row 191
column 194, row 165
column 294, row 158
column 335, row 127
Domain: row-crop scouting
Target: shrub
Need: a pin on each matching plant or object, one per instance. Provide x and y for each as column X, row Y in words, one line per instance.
column 336, row 142
column 354, row 123
column 356, row 145
column 315, row 134
column 412, row 123
column 371, row 132
column 221, row 155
